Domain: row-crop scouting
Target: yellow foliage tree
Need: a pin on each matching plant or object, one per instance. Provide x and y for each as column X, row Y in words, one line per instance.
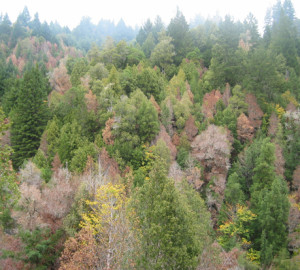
column 177, row 86
column 108, row 223
column 236, row 228
column 279, row 110
column 288, row 97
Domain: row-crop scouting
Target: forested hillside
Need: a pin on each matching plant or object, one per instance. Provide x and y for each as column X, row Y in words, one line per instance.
column 167, row 147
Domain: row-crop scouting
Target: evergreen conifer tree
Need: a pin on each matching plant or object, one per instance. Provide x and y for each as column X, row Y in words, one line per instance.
column 272, row 217
column 29, row 116
column 178, row 30
column 167, row 226
column 264, row 172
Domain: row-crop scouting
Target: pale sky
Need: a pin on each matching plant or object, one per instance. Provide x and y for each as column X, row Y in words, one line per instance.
column 136, row 12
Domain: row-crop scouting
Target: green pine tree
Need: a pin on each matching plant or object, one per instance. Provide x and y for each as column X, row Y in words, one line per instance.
column 233, row 191
column 178, row 30
column 264, row 171
column 170, row 233
column 69, row 141
column 29, row 117
column 284, row 40
column 273, row 211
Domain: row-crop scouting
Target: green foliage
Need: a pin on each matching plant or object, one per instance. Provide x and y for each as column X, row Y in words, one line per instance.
column 178, row 30
column 229, row 33
column 7, row 222
column 146, row 121
column 292, row 149
column 174, row 108
column 136, row 123
column 190, row 69
column 24, row 17
column 166, row 114
column 284, row 40
column 5, row 29
column 246, row 164
column 163, row 152
column 70, row 64
column 135, row 56
column 39, row 159
column 236, row 229
column 120, row 55
column 233, row 193
column 284, row 262
column 166, row 220
column 226, row 66
column 107, row 98
column 163, row 53
column 228, row 118
column 183, row 154
column 265, row 75
column 94, row 55
column 264, row 171
column 40, row 248
column 150, row 83
column 144, row 32
column 251, row 25
column 70, row 140
column 114, row 80
column 53, row 133
column 148, row 45
column 272, row 211
column 139, row 177
column 79, row 69
column 177, row 84
column 7, row 73
column 182, row 157
column 72, row 220
column 199, row 215
column 237, row 101
column 158, row 151
column 43, row 164
column 98, row 71
column 29, row 116
column 79, row 160
column 195, row 55
column 9, row 190
column 182, row 110
column 46, row 174
column 170, row 223
column 128, row 79
column 72, row 107
column 18, row 32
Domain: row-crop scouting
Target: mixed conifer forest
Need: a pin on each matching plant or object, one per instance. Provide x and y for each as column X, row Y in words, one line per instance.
column 166, row 147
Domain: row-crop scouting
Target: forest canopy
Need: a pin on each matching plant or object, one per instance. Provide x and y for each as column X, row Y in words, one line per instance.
column 165, row 147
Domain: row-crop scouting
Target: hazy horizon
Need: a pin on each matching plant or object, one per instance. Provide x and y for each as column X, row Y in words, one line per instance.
column 134, row 13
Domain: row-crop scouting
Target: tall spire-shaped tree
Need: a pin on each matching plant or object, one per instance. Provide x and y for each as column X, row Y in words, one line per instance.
column 289, row 9
column 170, row 232
column 178, row 29
column 284, row 40
column 30, row 116
column 272, row 220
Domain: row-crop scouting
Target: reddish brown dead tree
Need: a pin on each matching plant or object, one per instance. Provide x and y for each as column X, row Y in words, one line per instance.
column 209, row 103
column 245, row 130
column 254, row 111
